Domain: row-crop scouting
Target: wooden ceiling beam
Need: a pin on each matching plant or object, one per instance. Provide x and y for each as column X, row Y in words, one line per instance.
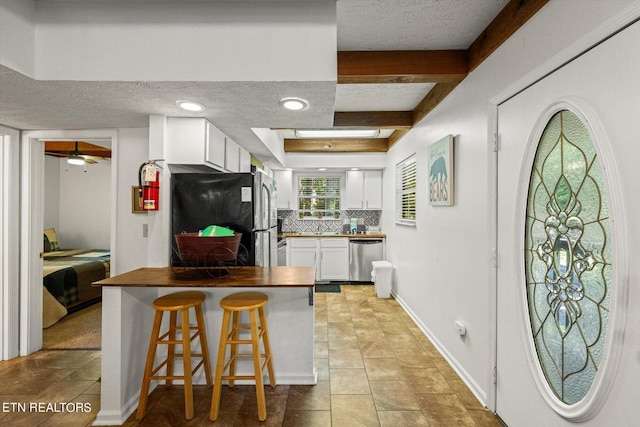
column 513, row 16
column 65, row 147
column 402, row 66
column 446, row 68
column 396, row 136
column 335, row 145
column 373, row 119
column 431, row 100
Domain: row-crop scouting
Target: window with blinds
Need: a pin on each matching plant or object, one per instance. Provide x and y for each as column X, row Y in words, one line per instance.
column 406, row 183
column 318, row 196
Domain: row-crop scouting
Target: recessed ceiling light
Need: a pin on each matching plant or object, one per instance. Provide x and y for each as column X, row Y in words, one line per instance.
column 355, row 169
column 194, row 107
column 295, row 104
column 337, row 133
column 322, row 169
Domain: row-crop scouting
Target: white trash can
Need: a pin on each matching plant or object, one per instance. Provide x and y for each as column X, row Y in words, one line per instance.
column 381, row 278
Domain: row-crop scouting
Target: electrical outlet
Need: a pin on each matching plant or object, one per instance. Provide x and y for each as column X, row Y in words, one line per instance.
column 460, row 328
column 145, row 230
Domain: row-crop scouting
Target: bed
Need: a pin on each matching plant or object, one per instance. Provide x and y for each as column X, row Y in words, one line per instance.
column 67, row 278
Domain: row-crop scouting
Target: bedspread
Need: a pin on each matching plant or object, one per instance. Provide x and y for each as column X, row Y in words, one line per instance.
column 68, row 274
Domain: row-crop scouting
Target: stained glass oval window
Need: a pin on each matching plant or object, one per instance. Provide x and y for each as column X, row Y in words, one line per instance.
column 568, row 257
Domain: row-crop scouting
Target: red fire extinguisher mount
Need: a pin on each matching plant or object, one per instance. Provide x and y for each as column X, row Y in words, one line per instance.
column 149, row 185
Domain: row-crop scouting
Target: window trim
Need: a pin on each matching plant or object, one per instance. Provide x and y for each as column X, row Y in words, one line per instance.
column 400, row 183
column 328, row 214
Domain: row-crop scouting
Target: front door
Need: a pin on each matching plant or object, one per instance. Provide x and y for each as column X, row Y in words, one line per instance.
column 601, row 86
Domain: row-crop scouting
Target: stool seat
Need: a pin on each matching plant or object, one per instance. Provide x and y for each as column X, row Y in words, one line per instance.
column 230, row 336
column 179, row 302
column 243, row 301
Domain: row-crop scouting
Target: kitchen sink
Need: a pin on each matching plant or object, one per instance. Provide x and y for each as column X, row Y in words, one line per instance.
column 319, row 233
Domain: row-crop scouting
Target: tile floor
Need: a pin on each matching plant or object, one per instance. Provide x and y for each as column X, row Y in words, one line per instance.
column 375, row 366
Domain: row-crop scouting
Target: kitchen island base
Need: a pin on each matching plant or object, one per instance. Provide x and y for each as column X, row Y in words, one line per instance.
column 127, row 319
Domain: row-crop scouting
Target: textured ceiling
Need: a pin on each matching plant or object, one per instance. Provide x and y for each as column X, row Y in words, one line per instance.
column 412, row 24
column 236, row 107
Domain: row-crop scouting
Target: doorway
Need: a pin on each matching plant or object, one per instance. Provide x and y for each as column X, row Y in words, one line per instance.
column 32, row 206
column 610, row 110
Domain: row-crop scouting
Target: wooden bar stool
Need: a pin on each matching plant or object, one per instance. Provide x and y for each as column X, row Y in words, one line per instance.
column 174, row 303
column 251, row 302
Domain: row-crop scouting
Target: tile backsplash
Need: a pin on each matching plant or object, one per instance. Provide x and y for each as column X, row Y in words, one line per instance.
column 293, row 224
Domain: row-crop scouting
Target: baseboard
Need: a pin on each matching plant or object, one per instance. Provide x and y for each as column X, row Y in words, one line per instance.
column 475, row 388
column 117, row 418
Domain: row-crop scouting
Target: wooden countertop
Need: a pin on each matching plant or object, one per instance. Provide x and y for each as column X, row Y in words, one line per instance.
column 242, row 277
column 350, row 236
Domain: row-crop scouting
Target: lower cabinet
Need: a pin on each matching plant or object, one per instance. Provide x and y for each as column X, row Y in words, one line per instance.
column 334, row 258
column 303, row 252
column 330, row 256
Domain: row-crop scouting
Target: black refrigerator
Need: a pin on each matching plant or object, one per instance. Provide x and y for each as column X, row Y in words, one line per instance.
column 243, row 202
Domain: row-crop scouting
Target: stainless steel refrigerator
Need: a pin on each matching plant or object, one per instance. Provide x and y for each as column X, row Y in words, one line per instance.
column 243, row 202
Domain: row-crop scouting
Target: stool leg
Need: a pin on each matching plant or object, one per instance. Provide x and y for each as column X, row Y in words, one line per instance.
column 235, row 335
column 186, row 358
column 257, row 367
column 204, row 344
column 171, row 348
column 151, row 355
column 267, row 346
column 217, row 382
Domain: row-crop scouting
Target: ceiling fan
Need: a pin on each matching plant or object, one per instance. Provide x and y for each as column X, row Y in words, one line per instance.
column 69, row 150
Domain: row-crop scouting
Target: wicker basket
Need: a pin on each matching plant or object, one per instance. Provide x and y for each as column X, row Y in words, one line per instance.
column 194, row 248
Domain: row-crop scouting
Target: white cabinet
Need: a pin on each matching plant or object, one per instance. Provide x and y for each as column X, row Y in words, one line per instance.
column 232, row 155
column 334, row 258
column 245, row 160
column 303, row 252
column 194, row 141
column 284, row 180
column 215, row 146
column 364, row 190
column 329, row 255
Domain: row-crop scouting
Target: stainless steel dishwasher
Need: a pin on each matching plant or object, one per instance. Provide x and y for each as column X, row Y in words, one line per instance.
column 361, row 253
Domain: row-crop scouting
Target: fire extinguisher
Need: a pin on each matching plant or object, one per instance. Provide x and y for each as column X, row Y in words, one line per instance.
column 149, row 185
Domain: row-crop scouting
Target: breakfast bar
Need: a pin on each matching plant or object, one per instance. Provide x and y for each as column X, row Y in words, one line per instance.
column 127, row 317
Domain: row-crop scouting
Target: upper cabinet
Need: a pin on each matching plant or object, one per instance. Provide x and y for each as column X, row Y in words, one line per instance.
column 195, row 141
column 215, row 146
column 245, row 160
column 364, row 189
column 232, row 156
column 284, row 181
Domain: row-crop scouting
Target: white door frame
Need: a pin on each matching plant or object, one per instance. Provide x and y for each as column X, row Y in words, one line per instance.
column 592, row 39
column 9, row 241
column 31, row 228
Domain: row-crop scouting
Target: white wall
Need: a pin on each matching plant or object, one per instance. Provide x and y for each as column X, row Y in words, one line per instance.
column 132, row 151
column 443, row 266
column 85, row 205
column 337, row 160
column 17, row 35
column 91, row 41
